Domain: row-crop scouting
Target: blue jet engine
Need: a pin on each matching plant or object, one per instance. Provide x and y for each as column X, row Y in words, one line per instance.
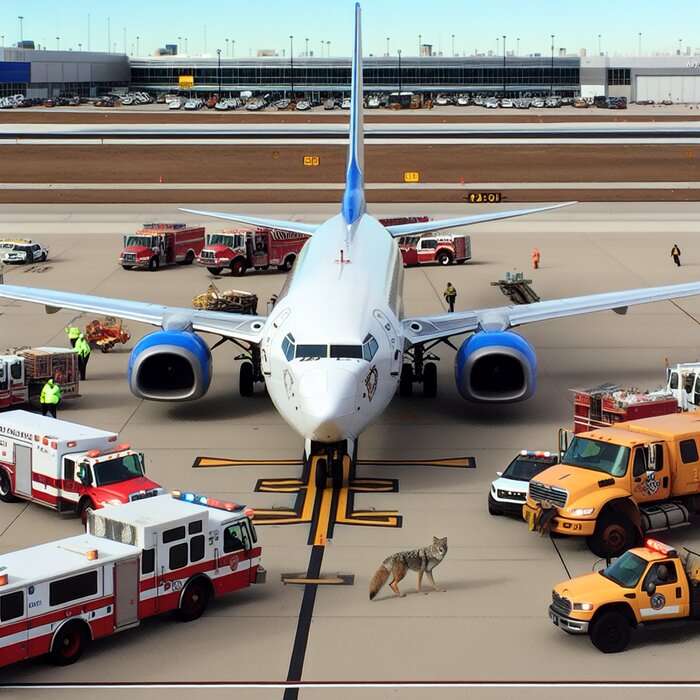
column 170, row 365
column 496, row 367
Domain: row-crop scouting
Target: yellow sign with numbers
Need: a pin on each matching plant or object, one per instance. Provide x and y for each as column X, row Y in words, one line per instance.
column 312, row 160
column 411, row 177
column 186, row 81
column 483, row 197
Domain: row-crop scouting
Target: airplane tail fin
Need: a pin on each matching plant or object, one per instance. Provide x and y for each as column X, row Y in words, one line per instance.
column 354, row 205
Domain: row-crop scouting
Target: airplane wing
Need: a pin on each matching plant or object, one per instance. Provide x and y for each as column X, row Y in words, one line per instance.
column 421, row 329
column 429, row 226
column 242, row 327
column 295, row 226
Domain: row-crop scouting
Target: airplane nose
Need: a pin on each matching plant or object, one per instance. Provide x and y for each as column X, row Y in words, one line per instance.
column 327, row 402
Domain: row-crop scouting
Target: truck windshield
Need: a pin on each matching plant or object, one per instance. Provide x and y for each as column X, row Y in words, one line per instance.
column 221, row 239
column 119, row 469
column 137, row 240
column 524, row 468
column 595, row 454
column 626, row 571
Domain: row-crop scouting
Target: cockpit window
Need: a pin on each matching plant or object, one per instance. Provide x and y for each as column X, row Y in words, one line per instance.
column 288, row 347
column 369, row 347
column 312, row 351
column 346, row 351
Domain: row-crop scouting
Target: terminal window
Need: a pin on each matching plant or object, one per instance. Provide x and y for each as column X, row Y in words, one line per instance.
column 619, row 76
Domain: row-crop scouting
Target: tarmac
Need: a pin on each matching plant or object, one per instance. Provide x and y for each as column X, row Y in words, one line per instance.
column 488, row 635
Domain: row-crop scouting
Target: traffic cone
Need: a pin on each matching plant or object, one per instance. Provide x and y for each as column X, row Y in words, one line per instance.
column 461, row 180
column 160, row 178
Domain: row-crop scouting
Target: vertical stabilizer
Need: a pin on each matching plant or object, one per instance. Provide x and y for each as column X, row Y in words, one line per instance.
column 353, row 206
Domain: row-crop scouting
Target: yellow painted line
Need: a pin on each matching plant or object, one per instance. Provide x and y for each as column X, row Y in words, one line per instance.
column 279, row 521
column 372, row 489
column 274, row 511
column 369, row 513
column 278, row 489
column 458, row 462
column 282, row 482
column 320, row 581
column 216, row 462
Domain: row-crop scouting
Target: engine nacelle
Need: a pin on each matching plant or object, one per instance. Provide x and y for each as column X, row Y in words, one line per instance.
column 496, row 367
column 170, row 366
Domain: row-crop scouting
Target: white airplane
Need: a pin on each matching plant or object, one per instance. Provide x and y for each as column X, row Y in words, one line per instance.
column 337, row 346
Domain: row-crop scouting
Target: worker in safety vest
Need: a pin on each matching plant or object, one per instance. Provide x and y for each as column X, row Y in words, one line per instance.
column 535, row 259
column 450, row 295
column 73, row 332
column 82, row 348
column 50, row 398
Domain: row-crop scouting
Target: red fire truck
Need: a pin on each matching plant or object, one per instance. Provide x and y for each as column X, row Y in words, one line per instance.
column 444, row 249
column 23, row 374
column 68, row 467
column 168, row 553
column 608, row 404
column 162, row 244
column 240, row 250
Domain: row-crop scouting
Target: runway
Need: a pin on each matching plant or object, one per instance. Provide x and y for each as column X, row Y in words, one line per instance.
column 489, row 634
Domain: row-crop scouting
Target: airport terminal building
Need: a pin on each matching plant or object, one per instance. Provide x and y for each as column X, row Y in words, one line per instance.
column 89, row 74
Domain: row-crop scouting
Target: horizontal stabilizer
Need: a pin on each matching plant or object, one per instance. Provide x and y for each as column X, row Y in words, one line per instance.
column 295, row 226
column 431, row 226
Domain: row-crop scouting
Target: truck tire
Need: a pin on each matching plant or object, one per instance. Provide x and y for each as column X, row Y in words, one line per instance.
column 194, row 601
column 84, row 507
column 406, row 381
column 215, row 270
column 153, row 264
column 68, row 644
column 444, row 258
column 286, row 266
column 430, row 380
column 6, row 495
column 189, row 258
column 238, row 268
column 614, row 534
column 246, row 384
column 610, row 632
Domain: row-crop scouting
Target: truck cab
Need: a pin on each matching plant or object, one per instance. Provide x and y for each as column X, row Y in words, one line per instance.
column 645, row 585
column 14, row 389
column 683, row 382
column 146, row 249
column 225, row 250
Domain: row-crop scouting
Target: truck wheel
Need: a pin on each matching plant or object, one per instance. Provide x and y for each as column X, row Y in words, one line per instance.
column 68, row 644
column 610, row 632
column 84, row 507
column 246, row 385
column 430, row 380
column 444, row 258
column 189, row 258
column 286, row 266
column 406, row 381
column 194, row 601
column 215, row 270
column 238, row 268
column 153, row 264
column 613, row 535
column 127, row 267
column 6, row 495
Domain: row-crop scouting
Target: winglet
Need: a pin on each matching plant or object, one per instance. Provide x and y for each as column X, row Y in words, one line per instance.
column 354, row 205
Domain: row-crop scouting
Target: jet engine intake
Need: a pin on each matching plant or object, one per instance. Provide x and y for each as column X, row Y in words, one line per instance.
column 170, row 366
column 496, row 367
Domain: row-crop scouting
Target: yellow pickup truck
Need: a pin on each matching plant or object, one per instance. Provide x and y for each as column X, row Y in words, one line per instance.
column 645, row 585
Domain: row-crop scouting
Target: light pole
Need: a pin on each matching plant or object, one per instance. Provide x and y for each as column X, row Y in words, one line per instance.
column 498, row 50
column 185, row 44
column 551, row 72
column 233, row 48
column 387, row 46
column 21, row 33
column 420, row 44
column 57, row 43
column 322, row 44
column 504, row 65
column 80, row 46
column 599, row 50
column 453, row 45
column 306, row 52
column 205, row 38
column 179, row 44
column 328, row 44
column 399, row 53
column 227, row 47
column 517, row 51
column 680, row 41
column 137, row 45
column 640, row 43
column 2, row 36
column 218, row 71
column 291, row 63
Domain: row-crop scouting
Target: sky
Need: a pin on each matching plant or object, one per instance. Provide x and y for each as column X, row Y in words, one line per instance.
column 249, row 25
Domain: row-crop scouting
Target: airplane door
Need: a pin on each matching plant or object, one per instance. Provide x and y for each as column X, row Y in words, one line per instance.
column 126, row 593
column 23, row 470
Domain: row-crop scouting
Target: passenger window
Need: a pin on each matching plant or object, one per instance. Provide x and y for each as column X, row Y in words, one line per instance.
column 660, row 576
column 233, row 538
column 177, row 556
column 689, row 451
column 640, row 462
column 16, row 370
column 175, row 533
column 11, row 606
column 148, row 561
column 73, row 588
column 197, row 548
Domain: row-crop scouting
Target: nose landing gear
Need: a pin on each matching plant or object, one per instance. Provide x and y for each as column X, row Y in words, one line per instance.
column 330, row 465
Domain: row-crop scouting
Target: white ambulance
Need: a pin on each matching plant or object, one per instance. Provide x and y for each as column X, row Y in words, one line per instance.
column 168, row 553
column 66, row 466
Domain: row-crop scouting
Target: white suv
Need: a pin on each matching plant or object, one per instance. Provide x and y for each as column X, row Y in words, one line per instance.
column 28, row 252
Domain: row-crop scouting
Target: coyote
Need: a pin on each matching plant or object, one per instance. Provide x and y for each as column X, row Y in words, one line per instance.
column 421, row 560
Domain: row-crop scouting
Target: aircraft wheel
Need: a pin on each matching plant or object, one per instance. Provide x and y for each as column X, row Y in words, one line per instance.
column 321, row 473
column 430, row 380
column 406, row 381
column 246, row 385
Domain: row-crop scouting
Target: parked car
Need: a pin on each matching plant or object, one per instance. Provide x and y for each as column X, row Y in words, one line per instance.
column 508, row 492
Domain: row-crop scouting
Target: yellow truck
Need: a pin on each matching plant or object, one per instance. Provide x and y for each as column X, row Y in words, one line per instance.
column 645, row 585
column 613, row 485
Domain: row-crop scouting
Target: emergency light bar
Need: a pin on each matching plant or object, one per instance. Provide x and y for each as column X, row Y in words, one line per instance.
column 190, row 497
column 660, row 548
column 534, row 453
column 3, row 576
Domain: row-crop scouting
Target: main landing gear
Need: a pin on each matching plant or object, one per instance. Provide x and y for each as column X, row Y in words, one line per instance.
column 250, row 372
column 330, row 463
column 421, row 369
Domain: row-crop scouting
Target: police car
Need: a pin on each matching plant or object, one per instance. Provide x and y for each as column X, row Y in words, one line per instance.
column 508, row 492
column 25, row 252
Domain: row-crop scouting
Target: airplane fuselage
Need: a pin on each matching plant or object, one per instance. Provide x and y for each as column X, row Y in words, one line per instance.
column 332, row 348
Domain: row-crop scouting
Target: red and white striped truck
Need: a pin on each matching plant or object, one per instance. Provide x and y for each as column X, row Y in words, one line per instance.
column 168, row 553
column 68, row 467
column 156, row 245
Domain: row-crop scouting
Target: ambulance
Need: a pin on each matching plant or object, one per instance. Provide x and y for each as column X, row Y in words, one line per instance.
column 68, row 467
column 168, row 553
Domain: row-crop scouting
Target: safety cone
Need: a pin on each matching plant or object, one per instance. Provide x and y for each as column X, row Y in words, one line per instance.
column 461, row 180
column 160, row 178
